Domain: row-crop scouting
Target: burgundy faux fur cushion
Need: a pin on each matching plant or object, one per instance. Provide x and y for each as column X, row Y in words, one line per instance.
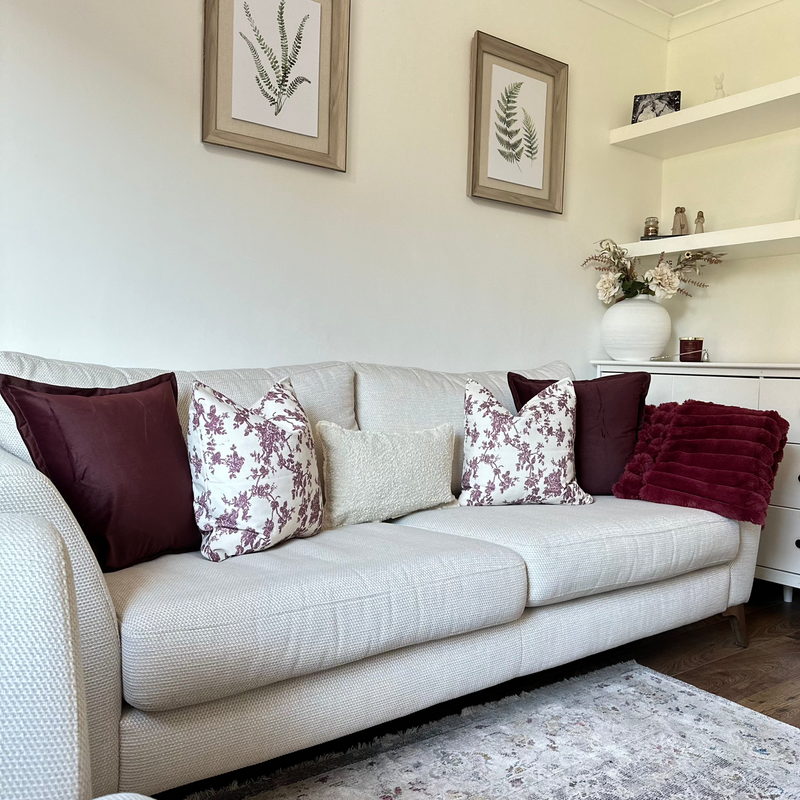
column 703, row 455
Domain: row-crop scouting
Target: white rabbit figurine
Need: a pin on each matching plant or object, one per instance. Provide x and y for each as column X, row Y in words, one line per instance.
column 720, row 93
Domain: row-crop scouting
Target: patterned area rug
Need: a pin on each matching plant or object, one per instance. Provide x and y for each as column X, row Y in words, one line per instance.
column 623, row 733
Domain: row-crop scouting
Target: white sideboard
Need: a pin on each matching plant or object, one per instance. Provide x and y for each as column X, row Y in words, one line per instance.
column 763, row 386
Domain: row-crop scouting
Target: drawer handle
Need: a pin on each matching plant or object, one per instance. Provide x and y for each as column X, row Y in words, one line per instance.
column 797, row 543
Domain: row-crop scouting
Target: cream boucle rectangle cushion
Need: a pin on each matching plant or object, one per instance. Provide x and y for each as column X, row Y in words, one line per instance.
column 397, row 399
column 372, row 476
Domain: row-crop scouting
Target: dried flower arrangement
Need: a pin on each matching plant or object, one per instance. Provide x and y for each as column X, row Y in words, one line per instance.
column 620, row 280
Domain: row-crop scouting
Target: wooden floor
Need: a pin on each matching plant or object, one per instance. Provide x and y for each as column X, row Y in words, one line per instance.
column 765, row 676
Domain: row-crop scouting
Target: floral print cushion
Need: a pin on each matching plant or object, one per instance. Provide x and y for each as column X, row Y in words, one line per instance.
column 527, row 459
column 254, row 471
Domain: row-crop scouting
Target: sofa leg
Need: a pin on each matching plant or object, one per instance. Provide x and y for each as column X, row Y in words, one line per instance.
column 738, row 624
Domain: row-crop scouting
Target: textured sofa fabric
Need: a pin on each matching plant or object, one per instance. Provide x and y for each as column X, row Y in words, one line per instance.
column 574, row 551
column 324, row 390
column 393, row 399
column 160, row 750
column 743, row 567
column 194, row 631
column 44, row 743
column 24, row 490
column 323, row 637
column 43, row 752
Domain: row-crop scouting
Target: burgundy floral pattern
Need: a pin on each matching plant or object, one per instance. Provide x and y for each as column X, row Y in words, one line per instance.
column 527, row 459
column 254, row 472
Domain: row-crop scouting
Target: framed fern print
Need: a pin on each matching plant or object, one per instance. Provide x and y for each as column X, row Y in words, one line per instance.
column 276, row 78
column 518, row 125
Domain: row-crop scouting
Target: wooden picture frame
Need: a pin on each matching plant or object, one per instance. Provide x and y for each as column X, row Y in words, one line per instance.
column 518, row 125
column 245, row 89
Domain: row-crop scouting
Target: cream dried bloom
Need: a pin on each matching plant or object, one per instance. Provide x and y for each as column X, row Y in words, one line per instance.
column 664, row 281
column 608, row 287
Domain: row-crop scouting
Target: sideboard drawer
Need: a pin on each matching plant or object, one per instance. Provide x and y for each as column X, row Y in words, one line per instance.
column 787, row 481
column 780, row 540
column 712, row 389
column 783, row 395
column 660, row 390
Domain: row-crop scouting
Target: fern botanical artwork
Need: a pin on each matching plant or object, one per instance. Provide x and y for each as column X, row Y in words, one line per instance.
column 277, row 93
column 276, row 64
column 517, row 125
column 520, row 108
column 276, row 75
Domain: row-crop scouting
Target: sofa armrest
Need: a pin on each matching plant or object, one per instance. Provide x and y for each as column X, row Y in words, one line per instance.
column 43, row 738
column 743, row 567
column 24, row 490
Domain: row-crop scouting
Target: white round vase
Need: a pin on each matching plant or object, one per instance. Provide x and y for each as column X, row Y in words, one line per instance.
column 635, row 329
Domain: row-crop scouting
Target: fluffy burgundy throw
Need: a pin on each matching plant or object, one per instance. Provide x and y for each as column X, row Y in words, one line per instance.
column 703, row 455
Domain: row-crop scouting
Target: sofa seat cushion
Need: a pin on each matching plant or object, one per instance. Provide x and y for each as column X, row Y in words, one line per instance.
column 575, row 551
column 194, row 631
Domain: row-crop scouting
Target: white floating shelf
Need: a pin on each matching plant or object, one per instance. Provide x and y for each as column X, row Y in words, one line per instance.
column 757, row 241
column 748, row 115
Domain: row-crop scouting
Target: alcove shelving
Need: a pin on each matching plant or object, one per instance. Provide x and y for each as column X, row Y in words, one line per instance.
column 755, row 241
column 749, row 115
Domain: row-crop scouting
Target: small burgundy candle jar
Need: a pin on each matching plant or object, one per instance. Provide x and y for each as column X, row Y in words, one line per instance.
column 691, row 348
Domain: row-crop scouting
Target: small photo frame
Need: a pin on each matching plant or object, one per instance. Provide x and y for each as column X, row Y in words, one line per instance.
column 657, row 104
column 518, row 125
column 276, row 74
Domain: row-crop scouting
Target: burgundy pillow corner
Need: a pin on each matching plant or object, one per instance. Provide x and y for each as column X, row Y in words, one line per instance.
column 610, row 412
column 119, row 460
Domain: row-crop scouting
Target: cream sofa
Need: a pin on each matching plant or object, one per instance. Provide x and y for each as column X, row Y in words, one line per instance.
column 192, row 669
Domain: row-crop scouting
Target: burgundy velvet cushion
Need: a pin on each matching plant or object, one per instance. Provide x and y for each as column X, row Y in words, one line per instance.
column 118, row 459
column 609, row 413
column 703, row 455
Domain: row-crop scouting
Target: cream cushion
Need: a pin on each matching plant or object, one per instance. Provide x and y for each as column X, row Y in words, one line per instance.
column 575, row 551
column 396, row 399
column 194, row 631
column 372, row 476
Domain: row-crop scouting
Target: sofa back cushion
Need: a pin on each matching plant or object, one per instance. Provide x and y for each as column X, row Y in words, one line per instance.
column 324, row 390
column 403, row 399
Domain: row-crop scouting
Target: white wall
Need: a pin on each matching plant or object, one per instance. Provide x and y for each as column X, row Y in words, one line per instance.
column 125, row 240
column 750, row 313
